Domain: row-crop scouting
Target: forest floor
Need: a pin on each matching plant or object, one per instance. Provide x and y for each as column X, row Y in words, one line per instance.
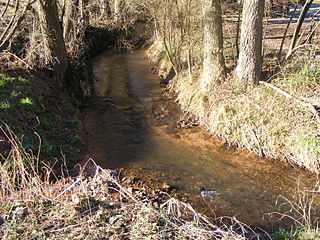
column 44, row 118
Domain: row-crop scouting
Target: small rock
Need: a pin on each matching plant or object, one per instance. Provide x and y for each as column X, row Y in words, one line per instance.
column 165, row 186
column 19, row 213
column 1, row 221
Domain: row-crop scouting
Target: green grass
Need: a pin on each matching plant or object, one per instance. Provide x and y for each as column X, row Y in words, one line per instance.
column 36, row 113
column 4, row 105
column 283, row 234
column 77, row 123
column 69, row 108
column 26, row 101
column 5, row 80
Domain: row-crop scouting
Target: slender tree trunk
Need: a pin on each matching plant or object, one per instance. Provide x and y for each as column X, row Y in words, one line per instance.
column 213, row 62
column 84, row 15
column 54, row 37
column 68, row 15
column 250, row 60
column 300, row 21
column 116, row 10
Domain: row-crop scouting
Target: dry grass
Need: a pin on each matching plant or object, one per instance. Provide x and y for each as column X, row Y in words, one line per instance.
column 20, row 173
column 302, row 210
column 96, row 204
column 260, row 118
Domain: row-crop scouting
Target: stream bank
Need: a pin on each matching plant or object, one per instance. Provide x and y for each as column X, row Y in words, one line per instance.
column 267, row 119
column 131, row 126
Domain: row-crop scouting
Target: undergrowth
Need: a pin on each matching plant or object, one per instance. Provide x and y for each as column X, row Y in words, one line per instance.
column 101, row 204
column 32, row 106
column 303, row 210
column 97, row 204
column 261, row 118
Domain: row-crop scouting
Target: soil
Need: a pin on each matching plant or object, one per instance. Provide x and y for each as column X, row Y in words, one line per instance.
column 51, row 115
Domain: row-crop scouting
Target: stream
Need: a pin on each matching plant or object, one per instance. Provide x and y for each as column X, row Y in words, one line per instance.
column 131, row 125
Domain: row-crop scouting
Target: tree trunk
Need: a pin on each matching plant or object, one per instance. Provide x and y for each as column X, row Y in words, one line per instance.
column 54, row 37
column 250, row 60
column 84, row 15
column 116, row 10
column 68, row 15
column 213, row 62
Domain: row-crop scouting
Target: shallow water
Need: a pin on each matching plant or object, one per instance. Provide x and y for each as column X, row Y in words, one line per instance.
column 126, row 129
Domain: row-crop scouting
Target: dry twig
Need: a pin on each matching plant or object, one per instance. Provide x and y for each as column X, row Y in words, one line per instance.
column 311, row 107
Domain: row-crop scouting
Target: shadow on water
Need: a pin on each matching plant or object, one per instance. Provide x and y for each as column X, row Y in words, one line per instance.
column 126, row 129
column 113, row 117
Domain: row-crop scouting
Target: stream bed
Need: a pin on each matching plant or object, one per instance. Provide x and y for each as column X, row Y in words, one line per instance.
column 131, row 125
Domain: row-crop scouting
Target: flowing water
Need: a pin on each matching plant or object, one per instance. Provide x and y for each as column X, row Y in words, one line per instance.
column 131, row 125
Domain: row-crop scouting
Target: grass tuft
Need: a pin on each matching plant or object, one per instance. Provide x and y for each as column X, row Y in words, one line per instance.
column 4, row 105
column 260, row 118
column 94, row 205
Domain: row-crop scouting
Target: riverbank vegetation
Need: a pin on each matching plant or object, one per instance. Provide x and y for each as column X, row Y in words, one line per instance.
column 96, row 204
column 276, row 116
column 44, row 118
column 101, row 203
column 44, row 48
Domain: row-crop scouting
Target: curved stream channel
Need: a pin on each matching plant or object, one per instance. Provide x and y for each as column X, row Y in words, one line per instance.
column 130, row 125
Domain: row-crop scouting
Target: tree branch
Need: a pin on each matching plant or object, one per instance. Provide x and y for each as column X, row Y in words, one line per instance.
column 302, row 16
column 14, row 28
column 11, row 21
column 5, row 8
column 311, row 107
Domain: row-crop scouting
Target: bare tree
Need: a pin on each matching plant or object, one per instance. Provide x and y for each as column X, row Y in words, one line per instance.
column 249, row 65
column 213, row 62
column 13, row 24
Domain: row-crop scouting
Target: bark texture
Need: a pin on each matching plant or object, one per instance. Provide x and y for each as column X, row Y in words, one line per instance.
column 250, row 59
column 213, row 62
column 53, row 36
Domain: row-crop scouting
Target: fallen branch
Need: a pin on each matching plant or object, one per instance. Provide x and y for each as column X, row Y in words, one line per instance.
column 311, row 107
column 19, row 59
column 68, row 188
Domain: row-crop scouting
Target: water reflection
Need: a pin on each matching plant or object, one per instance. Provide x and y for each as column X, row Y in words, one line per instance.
column 120, row 134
